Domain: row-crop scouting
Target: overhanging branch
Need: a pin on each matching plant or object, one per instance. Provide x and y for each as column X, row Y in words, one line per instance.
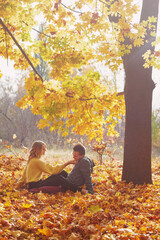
column 38, row 31
column 71, row 95
column 22, row 51
column 72, row 10
column 5, row 116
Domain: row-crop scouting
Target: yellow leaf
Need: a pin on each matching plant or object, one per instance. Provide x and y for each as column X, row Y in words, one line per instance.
column 95, row 209
column 138, row 42
column 1, row 74
column 140, row 199
column 7, row 204
column 45, row 231
column 43, row 123
column 119, row 222
column 143, row 229
column 26, row 205
column 14, row 136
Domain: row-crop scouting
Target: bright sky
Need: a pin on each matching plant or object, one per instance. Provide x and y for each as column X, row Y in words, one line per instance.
column 8, row 70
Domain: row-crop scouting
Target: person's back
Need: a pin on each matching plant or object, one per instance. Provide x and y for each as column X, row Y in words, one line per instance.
column 81, row 173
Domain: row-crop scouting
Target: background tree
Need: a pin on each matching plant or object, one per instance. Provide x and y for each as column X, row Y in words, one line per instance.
column 138, row 98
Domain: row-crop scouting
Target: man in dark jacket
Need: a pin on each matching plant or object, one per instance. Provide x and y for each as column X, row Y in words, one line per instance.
column 81, row 172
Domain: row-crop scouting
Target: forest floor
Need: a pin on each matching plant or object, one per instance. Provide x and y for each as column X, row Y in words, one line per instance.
column 116, row 211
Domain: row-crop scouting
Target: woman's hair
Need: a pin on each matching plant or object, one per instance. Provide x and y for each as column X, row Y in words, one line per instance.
column 36, row 149
column 79, row 148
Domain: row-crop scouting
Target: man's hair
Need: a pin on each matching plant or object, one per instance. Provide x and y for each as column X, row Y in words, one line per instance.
column 79, row 148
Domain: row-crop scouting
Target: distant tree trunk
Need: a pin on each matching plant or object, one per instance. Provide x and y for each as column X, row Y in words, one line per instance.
column 138, row 98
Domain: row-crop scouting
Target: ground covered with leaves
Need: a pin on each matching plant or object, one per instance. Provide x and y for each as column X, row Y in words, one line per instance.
column 117, row 211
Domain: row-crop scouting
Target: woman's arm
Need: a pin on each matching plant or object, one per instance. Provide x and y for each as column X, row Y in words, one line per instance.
column 47, row 168
column 70, row 162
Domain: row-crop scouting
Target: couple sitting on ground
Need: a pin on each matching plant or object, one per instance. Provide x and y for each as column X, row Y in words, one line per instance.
column 79, row 176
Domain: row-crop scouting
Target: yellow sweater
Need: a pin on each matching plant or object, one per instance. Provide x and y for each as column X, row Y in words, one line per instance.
column 34, row 169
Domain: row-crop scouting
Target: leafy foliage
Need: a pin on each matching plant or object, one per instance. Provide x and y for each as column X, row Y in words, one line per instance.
column 74, row 35
column 75, row 104
column 116, row 210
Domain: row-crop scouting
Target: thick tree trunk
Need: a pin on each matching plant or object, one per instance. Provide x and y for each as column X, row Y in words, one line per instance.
column 138, row 99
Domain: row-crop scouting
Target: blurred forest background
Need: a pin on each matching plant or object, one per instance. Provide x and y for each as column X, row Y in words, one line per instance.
column 19, row 127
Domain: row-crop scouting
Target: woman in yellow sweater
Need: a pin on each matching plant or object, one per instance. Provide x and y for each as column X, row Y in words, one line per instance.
column 35, row 167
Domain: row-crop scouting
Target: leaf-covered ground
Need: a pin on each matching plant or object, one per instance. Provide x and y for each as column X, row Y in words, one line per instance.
column 116, row 211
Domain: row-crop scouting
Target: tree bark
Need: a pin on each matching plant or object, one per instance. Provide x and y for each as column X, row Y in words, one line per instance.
column 138, row 99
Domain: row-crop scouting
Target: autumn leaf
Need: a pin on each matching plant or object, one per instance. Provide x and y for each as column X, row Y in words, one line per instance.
column 69, row 215
column 25, row 205
column 94, row 209
column 45, row 231
column 14, row 136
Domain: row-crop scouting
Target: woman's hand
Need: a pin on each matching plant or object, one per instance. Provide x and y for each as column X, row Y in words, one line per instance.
column 70, row 162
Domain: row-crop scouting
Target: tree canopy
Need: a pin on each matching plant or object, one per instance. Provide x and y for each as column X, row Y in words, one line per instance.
column 75, row 34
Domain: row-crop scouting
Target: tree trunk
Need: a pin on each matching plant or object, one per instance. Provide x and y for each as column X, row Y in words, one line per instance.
column 138, row 98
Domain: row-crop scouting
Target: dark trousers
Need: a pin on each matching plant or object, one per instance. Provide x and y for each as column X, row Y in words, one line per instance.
column 56, row 180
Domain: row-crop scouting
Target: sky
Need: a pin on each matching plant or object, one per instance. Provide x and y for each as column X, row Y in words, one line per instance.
column 7, row 69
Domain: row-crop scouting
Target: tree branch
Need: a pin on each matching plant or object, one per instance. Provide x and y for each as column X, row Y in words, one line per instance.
column 71, row 9
column 103, row 3
column 6, row 116
column 70, row 95
column 120, row 93
column 24, row 54
column 38, row 31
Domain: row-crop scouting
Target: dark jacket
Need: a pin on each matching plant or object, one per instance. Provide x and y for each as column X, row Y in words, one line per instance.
column 81, row 173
